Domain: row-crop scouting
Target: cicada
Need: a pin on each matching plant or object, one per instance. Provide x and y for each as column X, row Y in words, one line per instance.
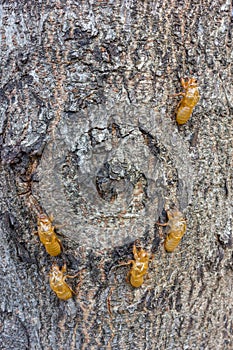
column 58, row 284
column 190, row 99
column 139, row 266
column 176, row 229
column 48, row 236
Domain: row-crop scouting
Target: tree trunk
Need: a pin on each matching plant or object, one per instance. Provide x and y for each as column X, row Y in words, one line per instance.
column 88, row 135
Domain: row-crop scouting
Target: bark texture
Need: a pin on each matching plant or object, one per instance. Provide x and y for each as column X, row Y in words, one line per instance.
column 87, row 134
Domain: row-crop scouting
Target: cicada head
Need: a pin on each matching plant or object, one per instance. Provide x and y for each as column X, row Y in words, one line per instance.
column 44, row 219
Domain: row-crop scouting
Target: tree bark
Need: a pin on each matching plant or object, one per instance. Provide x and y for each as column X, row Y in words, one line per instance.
column 88, row 135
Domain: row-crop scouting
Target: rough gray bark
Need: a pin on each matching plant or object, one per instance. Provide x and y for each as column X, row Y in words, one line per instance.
column 88, row 135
